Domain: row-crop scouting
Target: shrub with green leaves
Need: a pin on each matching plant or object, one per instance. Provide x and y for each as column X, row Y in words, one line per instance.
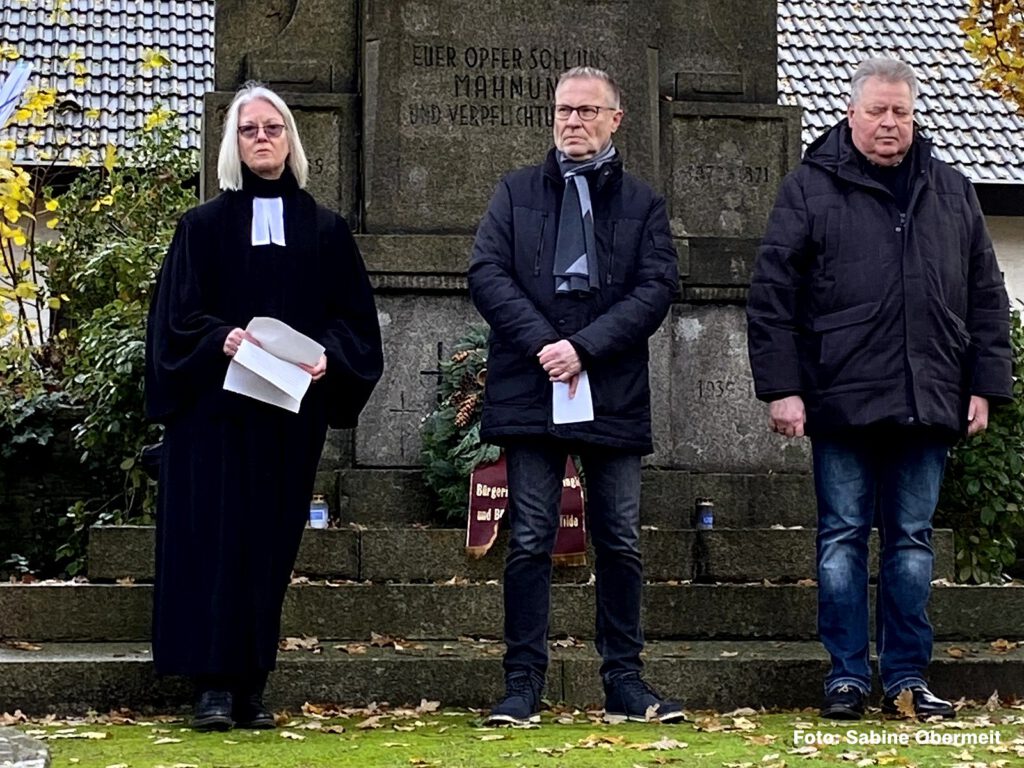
column 983, row 492
column 115, row 223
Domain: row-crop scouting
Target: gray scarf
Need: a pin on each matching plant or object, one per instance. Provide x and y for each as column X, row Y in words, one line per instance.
column 576, row 266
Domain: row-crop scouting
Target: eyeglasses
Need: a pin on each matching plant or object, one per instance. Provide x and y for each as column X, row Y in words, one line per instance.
column 586, row 112
column 271, row 130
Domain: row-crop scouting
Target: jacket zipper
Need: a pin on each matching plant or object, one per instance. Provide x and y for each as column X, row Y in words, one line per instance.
column 540, row 244
column 903, row 231
column 611, row 257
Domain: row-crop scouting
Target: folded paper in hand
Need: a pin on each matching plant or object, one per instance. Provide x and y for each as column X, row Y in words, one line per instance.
column 566, row 410
column 270, row 371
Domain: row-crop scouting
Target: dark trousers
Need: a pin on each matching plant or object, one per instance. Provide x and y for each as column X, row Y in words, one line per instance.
column 535, row 472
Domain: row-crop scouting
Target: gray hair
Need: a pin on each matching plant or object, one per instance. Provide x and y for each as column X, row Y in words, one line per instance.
column 596, row 74
column 889, row 70
column 229, row 161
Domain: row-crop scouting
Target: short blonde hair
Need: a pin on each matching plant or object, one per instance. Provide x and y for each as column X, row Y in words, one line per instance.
column 229, row 161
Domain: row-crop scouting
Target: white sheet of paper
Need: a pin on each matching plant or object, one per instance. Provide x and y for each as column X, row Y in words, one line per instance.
column 267, row 378
column 283, row 341
column 269, row 372
column 580, row 408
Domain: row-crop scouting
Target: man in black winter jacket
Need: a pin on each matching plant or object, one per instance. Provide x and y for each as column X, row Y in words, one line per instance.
column 574, row 269
column 878, row 326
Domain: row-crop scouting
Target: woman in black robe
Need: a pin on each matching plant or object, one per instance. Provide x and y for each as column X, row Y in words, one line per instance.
column 237, row 474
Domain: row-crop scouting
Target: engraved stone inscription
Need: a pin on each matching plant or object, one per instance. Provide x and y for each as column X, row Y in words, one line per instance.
column 727, row 164
column 458, row 93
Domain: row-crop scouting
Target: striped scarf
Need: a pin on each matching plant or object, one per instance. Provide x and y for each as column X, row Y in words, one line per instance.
column 576, row 267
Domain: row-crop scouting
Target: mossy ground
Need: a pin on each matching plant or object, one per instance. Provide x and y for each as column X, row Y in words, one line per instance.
column 427, row 737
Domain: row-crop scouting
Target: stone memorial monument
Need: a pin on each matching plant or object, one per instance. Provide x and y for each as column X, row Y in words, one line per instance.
column 411, row 111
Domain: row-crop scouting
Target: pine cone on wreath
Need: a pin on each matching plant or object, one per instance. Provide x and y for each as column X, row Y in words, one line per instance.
column 465, row 412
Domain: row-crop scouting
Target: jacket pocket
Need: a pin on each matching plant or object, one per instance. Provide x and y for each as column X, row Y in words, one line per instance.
column 841, row 335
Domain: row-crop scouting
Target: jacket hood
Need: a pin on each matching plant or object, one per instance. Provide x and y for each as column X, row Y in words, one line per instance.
column 834, row 151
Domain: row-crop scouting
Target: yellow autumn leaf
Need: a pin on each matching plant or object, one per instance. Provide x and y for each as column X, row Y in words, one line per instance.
column 52, row 223
column 156, row 118
column 53, row 302
column 26, row 290
column 109, row 157
column 52, row 204
column 92, row 114
column 25, row 265
column 153, row 58
column 7, row 145
column 79, row 82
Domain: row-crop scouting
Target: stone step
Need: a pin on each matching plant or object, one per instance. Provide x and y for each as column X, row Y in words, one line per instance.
column 75, row 677
column 395, row 496
column 91, row 612
column 432, row 554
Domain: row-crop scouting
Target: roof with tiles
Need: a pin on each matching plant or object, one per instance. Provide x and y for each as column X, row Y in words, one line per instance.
column 91, row 52
column 822, row 41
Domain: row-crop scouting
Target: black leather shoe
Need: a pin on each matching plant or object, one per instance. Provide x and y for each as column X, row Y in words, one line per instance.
column 926, row 704
column 213, row 711
column 250, row 712
column 844, row 703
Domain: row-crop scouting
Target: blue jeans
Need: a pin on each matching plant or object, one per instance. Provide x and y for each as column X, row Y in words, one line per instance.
column 535, row 472
column 889, row 478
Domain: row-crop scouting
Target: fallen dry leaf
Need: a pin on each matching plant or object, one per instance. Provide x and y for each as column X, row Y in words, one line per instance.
column 351, row 648
column 993, row 702
column 428, row 706
column 807, row 750
column 599, row 740
column 660, row 745
column 292, row 736
column 370, row 722
column 303, row 643
column 905, row 703
column 20, row 645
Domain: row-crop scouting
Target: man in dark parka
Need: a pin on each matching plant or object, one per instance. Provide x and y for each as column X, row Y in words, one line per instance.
column 879, row 326
column 574, row 269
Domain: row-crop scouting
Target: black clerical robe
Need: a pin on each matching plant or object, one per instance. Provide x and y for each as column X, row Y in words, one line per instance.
column 237, row 474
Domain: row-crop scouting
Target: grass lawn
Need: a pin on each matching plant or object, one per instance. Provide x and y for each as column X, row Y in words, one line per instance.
column 427, row 736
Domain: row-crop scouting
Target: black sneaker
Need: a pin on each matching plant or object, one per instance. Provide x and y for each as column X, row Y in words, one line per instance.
column 628, row 697
column 212, row 712
column 926, row 704
column 521, row 705
column 844, row 703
